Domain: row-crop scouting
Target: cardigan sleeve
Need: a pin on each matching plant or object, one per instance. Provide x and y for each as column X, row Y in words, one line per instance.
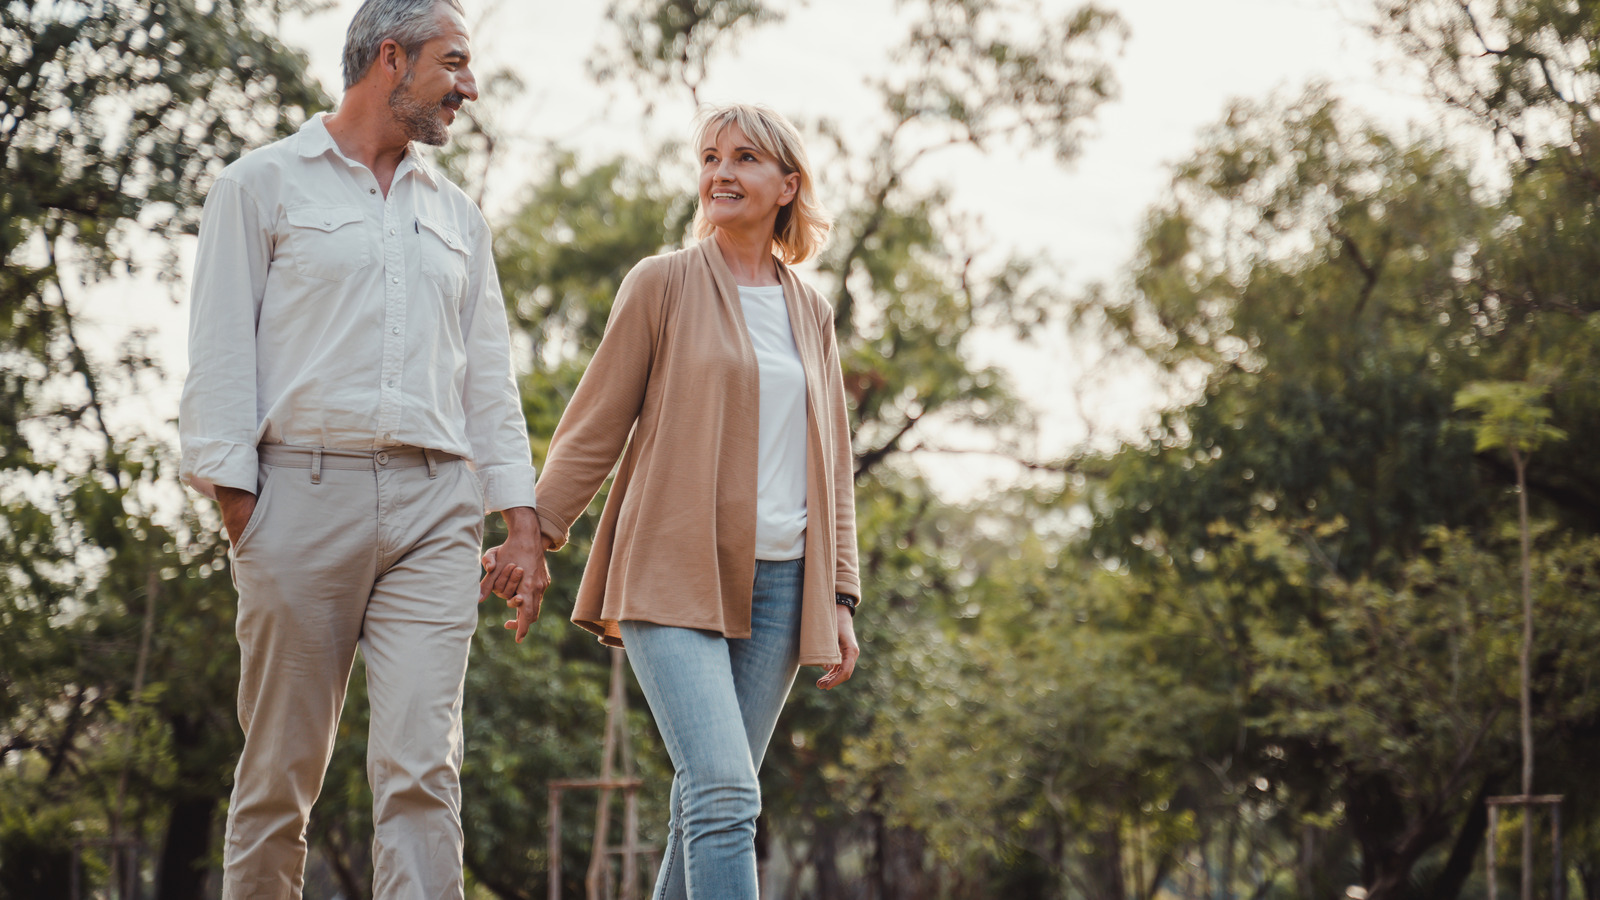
column 847, row 577
column 595, row 426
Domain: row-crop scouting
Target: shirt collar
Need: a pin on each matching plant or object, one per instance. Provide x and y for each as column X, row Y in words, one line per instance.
column 416, row 163
column 316, row 141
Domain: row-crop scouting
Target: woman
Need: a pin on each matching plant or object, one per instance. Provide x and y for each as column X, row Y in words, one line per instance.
column 725, row 557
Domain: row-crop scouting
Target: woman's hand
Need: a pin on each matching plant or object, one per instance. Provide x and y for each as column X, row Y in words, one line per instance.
column 502, row 581
column 849, row 651
column 523, row 589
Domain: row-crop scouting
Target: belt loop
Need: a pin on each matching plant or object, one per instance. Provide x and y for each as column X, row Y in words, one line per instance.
column 433, row 467
column 316, row 467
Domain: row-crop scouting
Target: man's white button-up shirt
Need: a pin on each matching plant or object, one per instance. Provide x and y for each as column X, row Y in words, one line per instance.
column 326, row 314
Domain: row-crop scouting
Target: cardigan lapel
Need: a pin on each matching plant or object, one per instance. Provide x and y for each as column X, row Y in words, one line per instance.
column 731, row 310
column 722, row 276
column 803, row 324
column 807, row 339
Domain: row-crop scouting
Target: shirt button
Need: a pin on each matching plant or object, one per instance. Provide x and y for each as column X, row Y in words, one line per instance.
column 387, row 436
column 391, row 382
column 383, row 458
column 372, row 190
column 395, row 330
column 395, row 279
column 391, row 231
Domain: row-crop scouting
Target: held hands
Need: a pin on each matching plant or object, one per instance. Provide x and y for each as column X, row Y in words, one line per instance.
column 516, row 571
column 849, row 651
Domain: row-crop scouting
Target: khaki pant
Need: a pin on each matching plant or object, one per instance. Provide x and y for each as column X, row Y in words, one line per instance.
column 380, row 551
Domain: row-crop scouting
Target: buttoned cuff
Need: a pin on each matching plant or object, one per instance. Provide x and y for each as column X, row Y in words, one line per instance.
column 207, row 464
column 506, row 487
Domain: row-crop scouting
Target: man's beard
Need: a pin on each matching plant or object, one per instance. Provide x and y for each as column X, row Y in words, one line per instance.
column 418, row 118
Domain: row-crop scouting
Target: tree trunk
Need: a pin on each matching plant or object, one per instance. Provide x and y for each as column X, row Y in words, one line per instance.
column 186, row 850
column 1391, row 842
column 341, row 861
column 1522, row 664
column 1448, row 884
column 1225, row 868
column 1104, row 865
column 824, row 859
column 1308, row 857
column 1589, row 877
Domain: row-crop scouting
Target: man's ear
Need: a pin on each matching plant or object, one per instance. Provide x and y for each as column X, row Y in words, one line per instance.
column 392, row 59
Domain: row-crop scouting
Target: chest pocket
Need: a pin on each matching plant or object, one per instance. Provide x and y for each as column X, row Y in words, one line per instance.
column 327, row 241
column 444, row 258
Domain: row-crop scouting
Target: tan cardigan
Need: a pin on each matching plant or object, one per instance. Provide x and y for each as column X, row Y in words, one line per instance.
column 676, row 542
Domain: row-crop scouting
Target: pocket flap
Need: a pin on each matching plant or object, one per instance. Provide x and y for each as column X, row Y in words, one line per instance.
column 445, row 233
column 323, row 218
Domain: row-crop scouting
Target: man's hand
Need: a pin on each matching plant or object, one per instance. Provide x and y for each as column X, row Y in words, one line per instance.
column 516, row 570
column 237, row 507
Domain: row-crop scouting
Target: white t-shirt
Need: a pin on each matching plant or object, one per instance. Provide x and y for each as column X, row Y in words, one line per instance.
column 781, row 466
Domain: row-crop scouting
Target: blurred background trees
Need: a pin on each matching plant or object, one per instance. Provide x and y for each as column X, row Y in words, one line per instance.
column 116, row 717
column 1267, row 649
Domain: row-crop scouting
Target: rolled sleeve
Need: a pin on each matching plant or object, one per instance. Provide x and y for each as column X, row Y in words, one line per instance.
column 507, row 487
column 207, row 464
column 217, row 418
column 496, row 427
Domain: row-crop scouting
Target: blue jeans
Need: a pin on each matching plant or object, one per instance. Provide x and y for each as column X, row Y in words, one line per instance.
column 716, row 701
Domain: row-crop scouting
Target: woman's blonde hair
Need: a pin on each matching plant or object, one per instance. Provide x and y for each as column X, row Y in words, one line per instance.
column 802, row 225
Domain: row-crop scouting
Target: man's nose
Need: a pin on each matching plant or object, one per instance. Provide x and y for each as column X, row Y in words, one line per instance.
column 466, row 85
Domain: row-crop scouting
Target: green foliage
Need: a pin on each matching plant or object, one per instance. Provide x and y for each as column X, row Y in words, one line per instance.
column 995, row 71
column 563, row 255
column 667, row 41
column 1318, row 505
column 116, row 706
column 1278, row 661
column 114, row 118
column 1513, row 417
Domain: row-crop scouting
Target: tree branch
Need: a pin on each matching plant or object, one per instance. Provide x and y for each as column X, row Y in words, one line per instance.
column 871, row 458
column 80, row 360
column 1063, row 466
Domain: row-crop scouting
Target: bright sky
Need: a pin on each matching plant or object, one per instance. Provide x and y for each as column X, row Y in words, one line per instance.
column 1185, row 59
column 1183, row 62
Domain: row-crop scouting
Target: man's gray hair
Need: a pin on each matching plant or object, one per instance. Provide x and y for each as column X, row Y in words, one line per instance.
column 409, row 23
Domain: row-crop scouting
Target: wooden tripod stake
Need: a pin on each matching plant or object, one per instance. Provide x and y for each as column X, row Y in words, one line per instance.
column 1528, row 804
column 598, row 880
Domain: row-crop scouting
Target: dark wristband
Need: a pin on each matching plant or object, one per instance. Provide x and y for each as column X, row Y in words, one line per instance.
column 847, row 601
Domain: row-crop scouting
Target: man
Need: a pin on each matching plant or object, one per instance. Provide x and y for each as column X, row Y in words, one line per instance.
column 350, row 404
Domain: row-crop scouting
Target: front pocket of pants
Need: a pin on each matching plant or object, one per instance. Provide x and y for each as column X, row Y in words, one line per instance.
column 259, row 512
column 326, row 241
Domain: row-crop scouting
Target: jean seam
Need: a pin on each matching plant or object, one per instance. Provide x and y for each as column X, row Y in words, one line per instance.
column 674, row 847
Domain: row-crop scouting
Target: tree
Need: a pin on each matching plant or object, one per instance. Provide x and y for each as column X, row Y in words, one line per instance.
column 1514, row 421
column 1316, row 501
column 117, row 714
